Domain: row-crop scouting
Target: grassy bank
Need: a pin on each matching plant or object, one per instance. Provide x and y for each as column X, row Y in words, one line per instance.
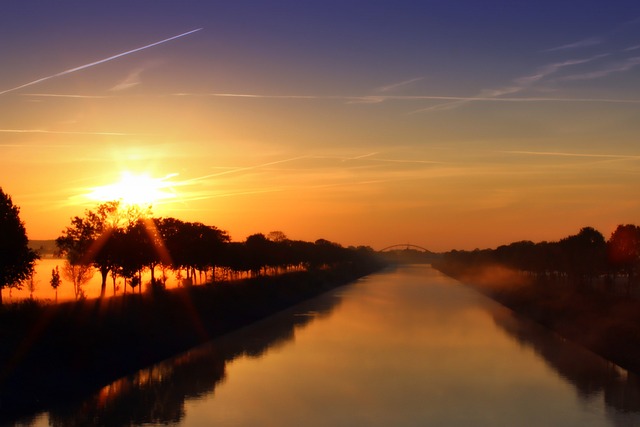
column 607, row 324
column 50, row 353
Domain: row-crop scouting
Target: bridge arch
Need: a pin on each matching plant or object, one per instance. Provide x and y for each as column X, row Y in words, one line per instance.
column 405, row 246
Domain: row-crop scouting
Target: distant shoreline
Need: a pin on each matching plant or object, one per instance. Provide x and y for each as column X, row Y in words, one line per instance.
column 606, row 324
column 51, row 353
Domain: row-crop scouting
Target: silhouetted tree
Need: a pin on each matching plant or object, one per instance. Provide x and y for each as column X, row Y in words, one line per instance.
column 17, row 260
column 55, row 280
column 277, row 236
column 213, row 246
column 584, row 255
column 326, row 253
column 85, row 241
column 624, row 251
column 258, row 253
column 78, row 275
column 192, row 245
column 131, row 252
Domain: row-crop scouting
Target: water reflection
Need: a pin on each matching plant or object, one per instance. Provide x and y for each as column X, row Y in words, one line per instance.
column 158, row 394
column 406, row 347
column 591, row 375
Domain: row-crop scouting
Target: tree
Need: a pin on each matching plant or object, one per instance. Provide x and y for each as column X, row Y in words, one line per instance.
column 259, row 253
column 624, row 251
column 191, row 245
column 79, row 275
column 85, row 241
column 132, row 250
column 277, row 236
column 584, row 255
column 31, row 286
column 17, row 260
column 55, row 280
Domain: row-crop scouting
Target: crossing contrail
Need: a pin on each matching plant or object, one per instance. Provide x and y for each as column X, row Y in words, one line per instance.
column 92, row 64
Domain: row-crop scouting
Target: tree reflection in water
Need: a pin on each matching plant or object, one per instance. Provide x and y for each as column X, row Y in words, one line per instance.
column 157, row 394
column 591, row 375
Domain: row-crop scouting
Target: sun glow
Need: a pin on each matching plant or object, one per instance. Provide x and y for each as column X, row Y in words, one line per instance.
column 136, row 189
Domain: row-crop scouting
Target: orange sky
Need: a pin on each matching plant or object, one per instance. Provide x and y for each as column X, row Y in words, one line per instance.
column 362, row 128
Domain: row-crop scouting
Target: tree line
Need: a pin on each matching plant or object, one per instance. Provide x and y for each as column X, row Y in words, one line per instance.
column 580, row 259
column 124, row 242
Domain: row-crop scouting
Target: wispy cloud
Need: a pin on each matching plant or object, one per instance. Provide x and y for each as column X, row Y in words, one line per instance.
column 254, row 95
column 465, row 100
column 98, row 62
column 618, row 67
column 591, row 41
column 521, row 84
column 131, row 80
column 361, row 156
column 66, row 132
column 553, row 68
column 491, row 98
column 408, row 161
column 243, row 169
column 494, row 95
column 569, row 154
column 393, row 86
column 367, row 99
column 36, row 145
column 66, row 95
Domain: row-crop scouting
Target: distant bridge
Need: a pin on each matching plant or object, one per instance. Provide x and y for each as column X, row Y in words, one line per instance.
column 405, row 246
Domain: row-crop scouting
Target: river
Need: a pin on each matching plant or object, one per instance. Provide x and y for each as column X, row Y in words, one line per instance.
column 404, row 347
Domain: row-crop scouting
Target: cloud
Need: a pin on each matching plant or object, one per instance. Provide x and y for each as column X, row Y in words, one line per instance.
column 519, row 84
column 367, row 100
column 131, row 80
column 553, row 68
column 362, row 156
column 65, row 132
column 465, row 100
column 566, row 154
column 591, row 41
column 494, row 95
column 65, row 95
column 245, row 169
column 491, row 97
column 618, row 67
column 393, row 86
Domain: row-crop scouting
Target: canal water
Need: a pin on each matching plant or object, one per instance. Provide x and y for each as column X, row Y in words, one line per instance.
column 404, row 347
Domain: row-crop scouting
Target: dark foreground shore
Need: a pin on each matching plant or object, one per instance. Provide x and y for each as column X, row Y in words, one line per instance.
column 607, row 324
column 49, row 354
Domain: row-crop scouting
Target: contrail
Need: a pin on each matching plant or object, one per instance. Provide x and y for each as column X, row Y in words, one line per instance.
column 564, row 154
column 65, row 132
column 242, row 169
column 82, row 67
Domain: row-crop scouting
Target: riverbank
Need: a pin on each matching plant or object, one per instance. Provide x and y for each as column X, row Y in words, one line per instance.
column 607, row 324
column 51, row 353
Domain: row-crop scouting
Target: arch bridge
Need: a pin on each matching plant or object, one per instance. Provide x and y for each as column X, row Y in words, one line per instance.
column 406, row 247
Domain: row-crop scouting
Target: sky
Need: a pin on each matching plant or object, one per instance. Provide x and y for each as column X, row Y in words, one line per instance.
column 454, row 124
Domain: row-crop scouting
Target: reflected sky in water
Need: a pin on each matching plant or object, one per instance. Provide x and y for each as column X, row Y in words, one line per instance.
column 407, row 347
column 404, row 348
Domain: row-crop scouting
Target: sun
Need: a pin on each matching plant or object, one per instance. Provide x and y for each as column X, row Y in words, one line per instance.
column 136, row 190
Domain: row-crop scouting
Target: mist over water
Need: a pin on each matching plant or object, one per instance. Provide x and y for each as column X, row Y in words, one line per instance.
column 44, row 292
